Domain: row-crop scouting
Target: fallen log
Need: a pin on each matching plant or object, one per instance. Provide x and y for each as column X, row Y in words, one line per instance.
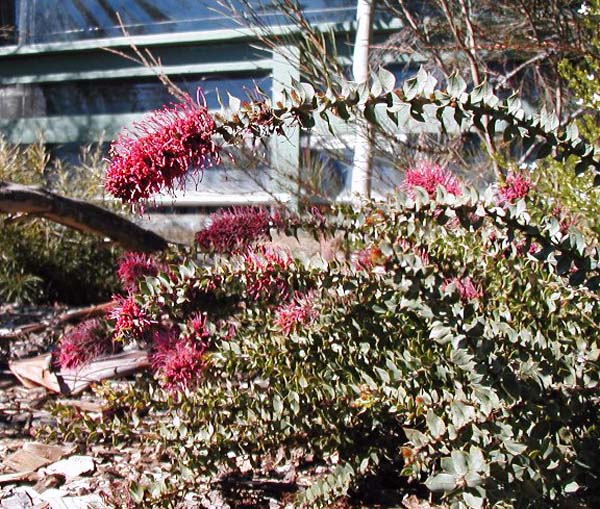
column 35, row 371
column 78, row 214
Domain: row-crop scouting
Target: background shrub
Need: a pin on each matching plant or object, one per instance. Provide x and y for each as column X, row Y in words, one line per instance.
column 42, row 261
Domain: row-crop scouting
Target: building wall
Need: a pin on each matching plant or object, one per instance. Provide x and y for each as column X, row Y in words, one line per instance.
column 61, row 76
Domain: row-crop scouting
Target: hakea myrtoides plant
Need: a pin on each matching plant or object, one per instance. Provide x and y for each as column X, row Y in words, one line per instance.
column 425, row 352
column 483, row 386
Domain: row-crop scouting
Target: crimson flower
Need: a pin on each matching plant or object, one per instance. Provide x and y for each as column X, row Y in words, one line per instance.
column 130, row 318
column 134, row 266
column 178, row 361
column 429, row 176
column 297, row 312
column 467, row 291
column 158, row 152
column 82, row 344
column 265, row 268
column 369, row 257
column 515, row 187
column 235, row 229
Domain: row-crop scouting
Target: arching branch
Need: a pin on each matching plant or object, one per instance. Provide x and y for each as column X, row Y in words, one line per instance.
column 78, row 214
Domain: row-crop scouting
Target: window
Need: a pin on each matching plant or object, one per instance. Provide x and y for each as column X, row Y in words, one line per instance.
column 8, row 21
column 139, row 95
column 63, row 20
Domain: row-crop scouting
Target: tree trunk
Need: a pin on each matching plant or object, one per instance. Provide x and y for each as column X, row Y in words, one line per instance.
column 78, row 214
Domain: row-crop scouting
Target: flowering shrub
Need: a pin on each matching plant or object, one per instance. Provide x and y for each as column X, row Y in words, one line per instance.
column 445, row 379
column 391, row 361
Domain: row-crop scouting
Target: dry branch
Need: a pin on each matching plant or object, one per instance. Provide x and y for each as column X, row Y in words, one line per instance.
column 78, row 214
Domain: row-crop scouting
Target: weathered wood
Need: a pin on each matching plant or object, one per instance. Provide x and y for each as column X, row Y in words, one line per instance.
column 78, row 214
column 35, row 371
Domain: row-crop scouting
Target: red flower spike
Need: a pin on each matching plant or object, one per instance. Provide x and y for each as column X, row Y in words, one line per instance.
column 135, row 266
column 467, row 291
column 234, row 230
column 82, row 344
column 264, row 269
column 177, row 361
column 297, row 312
column 158, row 152
column 515, row 187
column 130, row 319
column 429, row 176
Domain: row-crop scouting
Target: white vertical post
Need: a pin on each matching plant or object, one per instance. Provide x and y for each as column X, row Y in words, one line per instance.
column 362, row 160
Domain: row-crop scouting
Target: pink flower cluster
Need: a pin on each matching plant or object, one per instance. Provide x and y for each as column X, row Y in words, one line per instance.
column 299, row 311
column 429, row 176
column 178, row 358
column 467, row 291
column 515, row 187
column 82, row 344
column 130, row 319
column 160, row 151
column 133, row 267
column 264, row 270
column 235, row 229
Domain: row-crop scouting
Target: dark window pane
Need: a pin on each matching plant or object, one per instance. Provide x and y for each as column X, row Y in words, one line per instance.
column 118, row 96
column 8, row 21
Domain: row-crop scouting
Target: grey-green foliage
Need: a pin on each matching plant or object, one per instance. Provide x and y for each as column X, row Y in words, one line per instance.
column 418, row 101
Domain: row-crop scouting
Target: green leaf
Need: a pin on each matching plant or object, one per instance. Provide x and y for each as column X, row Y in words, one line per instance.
column 459, row 462
column 277, row 405
column 383, row 374
column 473, row 501
column 387, row 80
column 435, row 424
column 442, row 482
column 572, row 487
column 456, row 85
